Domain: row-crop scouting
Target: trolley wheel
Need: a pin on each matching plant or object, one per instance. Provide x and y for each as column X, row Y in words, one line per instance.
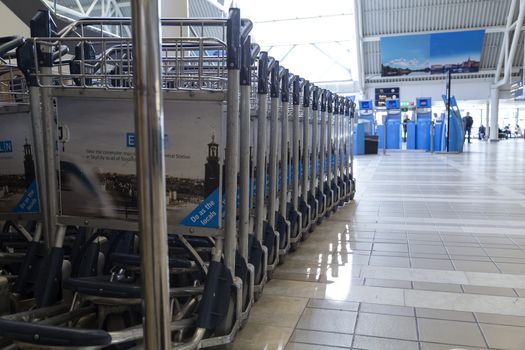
column 226, row 326
column 258, row 295
column 282, row 259
column 294, row 246
column 269, row 275
column 259, row 272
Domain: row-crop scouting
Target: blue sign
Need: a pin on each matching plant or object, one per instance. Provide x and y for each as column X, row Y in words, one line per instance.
column 130, row 139
column 206, row 214
column 6, row 146
column 29, row 202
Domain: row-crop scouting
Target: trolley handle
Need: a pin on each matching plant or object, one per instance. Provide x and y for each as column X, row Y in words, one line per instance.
column 255, row 49
column 246, row 62
column 306, row 94
column 8, row 43
column 329, row 101
column 315, row 98
column 347, row 107
column 262, row 76
column 323, row 100
column 275, row 80
column 43, row 26
column 296, row 93
column 285, row 86
column 233, row 38
column 246, row 28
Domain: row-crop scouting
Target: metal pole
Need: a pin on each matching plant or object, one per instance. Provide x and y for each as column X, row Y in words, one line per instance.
column 431, row 136
column 306, row 139
column 149, row 128
column 315, row 140
column 49, row 128
column 273, row 144
column 245, row 129
column 342, row 140
column 261, row 144
column 38, row 141
column 384, row 134
column 232, row 139
column 329, row 142
column 351, row 120
column 449, row 76
column 42, row 25
column 285, row 99
column 323, row 140
column 295, row 145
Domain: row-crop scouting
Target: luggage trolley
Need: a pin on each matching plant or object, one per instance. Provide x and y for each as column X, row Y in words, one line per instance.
column 24, row 239
column 294, row 215
column 334, row 154
column 318, row 147
column 303, row 162
column 250, row 246
column 205, row 267
column 349, row 148
column 264, row 226
column 326, row 152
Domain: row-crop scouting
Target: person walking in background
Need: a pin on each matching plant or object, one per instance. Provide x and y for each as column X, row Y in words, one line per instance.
column 468, row 121
column 405, row 127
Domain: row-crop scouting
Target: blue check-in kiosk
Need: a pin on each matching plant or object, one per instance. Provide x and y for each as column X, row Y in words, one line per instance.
column 392, row 124
column 423, row 123
column 367, row 117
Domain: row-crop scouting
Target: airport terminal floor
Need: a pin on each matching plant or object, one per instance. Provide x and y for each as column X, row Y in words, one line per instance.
column 430, row 256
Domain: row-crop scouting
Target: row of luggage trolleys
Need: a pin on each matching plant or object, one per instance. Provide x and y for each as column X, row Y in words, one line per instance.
column 275, row 152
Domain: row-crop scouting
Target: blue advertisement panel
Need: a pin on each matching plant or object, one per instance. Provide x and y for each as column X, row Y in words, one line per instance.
column 459, row 52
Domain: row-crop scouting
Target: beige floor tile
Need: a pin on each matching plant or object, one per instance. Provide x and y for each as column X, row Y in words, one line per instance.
column 501, row 319
column 327, row 320
column 450, row 332
column 504, row 337
column 256, row 336
column 364, row 342
column 387, row 326
column 445, row 314
column 275, row 310
column 322, row 338
column 387, row 309
column 333, row 304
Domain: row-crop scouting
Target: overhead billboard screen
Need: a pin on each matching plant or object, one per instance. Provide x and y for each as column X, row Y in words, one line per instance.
column 409, row 55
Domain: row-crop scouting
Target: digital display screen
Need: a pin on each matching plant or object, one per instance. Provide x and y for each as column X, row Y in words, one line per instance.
column 392, row 104
column 423, row 103
column 365, row 105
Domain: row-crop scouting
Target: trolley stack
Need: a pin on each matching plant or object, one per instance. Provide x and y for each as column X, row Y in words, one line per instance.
column 255, row 158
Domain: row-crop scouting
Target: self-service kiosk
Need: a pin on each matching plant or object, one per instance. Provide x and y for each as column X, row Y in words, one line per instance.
column 392, row 123
column 423, row 123
column 367, row 117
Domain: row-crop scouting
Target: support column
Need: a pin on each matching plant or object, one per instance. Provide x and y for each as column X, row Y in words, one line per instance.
column 494, row 106
column 487, row 120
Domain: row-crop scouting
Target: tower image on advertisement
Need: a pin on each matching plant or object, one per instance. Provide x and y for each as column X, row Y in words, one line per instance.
column 29, row 166
column 211, row 168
